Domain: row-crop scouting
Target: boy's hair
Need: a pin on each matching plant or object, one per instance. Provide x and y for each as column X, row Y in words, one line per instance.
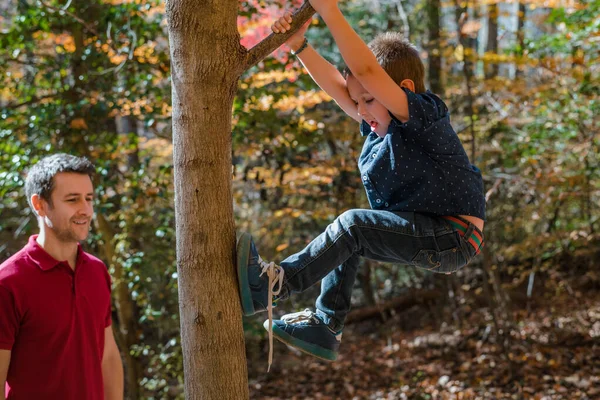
column 40, row 179
column 399, row 58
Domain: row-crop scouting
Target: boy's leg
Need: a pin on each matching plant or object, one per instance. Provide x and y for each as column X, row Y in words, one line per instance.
column 336, row 292
column 379, row 235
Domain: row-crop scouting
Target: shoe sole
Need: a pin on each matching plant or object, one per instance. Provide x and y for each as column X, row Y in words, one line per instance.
column 307, row 348
column 243, row 254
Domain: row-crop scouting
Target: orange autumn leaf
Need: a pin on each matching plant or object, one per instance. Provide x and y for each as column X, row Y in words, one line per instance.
column 79, row 123
column 282, row 247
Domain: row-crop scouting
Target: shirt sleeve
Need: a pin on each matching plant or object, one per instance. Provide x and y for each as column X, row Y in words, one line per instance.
column 429, row 125
column 424, row 110
column 108, row 317
column 9, row 319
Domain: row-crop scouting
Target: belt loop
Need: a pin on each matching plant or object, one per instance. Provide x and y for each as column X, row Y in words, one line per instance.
column 470, row 230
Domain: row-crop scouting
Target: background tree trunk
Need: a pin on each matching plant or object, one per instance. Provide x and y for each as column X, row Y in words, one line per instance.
column 491, row 68
column 125, row 329
column 434, row 47
column 521, row 19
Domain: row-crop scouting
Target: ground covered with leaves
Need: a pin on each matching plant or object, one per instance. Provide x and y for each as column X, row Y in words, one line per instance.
column 551, row 352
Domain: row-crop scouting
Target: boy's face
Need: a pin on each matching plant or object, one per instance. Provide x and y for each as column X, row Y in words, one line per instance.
column 369, row 109
column 69, row 215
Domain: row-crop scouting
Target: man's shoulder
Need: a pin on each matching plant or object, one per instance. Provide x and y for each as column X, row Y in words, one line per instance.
column 93, row 260
column 16, row 265
column 95, row 263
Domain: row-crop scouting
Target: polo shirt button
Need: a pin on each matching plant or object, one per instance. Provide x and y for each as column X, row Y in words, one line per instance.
column 365, row 177
column 387, row 205
column 379, row 200
column 374, row 155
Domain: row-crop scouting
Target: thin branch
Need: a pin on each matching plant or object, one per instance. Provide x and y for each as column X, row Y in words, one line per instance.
column 63, row 10
column 404, row 18
column 132, row 46
column 34, row 100
column 22, row 62
column 273, row 41
column 460, row 23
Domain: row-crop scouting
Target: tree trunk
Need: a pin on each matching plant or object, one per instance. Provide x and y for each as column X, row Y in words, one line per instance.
column 204, row 44
column 521, row 18
column 127, row 309
column 434, row 46
column 125, row 329
column 207, row 60
column 460, row 15
column 491, row 68
column 364, row 278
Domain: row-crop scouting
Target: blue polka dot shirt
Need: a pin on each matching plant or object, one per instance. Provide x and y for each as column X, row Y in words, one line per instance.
column 421, row 165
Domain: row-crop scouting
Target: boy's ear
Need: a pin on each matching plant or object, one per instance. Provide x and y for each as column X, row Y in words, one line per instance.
column 409, row 84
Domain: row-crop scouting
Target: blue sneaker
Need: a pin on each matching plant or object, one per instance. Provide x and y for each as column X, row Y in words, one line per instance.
column 257, row 279
column 307, row 332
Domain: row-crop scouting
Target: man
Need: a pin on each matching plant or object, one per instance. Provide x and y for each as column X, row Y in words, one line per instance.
column 56, row 340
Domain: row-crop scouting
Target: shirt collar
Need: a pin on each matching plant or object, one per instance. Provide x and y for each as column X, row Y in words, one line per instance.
column 44, row 260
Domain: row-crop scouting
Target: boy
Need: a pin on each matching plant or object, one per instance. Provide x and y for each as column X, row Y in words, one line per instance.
column 56, row 338
column 427, row 201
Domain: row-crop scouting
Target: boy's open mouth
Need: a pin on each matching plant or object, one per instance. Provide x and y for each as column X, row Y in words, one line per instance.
column 374, row 125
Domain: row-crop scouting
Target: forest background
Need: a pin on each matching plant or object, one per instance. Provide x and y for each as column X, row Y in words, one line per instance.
column 521, row 80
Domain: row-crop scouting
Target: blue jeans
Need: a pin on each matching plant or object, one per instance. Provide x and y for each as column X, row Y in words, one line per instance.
column 420, row 240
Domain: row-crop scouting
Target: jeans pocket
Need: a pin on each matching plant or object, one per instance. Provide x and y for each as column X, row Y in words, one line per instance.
column 443, row 262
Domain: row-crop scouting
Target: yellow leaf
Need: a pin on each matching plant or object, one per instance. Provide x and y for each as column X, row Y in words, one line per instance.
column 459, row 52
column 282, row 247
column 79, row 123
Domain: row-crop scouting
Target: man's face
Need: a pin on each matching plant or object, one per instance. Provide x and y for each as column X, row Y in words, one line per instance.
column 369, row 109
column 69, row 215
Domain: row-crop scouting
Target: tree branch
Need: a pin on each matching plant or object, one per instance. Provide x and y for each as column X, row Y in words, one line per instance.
column 273, row 41
column 34, row 100
column 87, row 26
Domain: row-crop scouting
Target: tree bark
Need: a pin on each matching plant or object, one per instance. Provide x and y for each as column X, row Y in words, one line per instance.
column 434, row 46
column 126, row 329
column 521, row 19
column 364, row 278
column 460, row 14
column 207, row 60
column 204, row 45
column 491, row 68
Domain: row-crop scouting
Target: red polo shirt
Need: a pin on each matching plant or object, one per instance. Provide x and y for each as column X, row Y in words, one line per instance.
column 52, row 319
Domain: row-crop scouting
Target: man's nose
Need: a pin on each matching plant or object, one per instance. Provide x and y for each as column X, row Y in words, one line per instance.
column 88, row 208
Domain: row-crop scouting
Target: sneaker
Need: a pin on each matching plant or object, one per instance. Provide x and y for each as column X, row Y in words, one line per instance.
column 307, row 332
column 258, row 281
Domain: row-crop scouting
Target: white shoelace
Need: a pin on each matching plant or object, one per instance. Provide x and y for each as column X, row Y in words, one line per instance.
column 308, row 316
column 275, row 274
column 301, row 316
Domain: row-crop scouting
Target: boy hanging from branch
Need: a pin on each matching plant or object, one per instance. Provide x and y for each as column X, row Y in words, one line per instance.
column 427, row 200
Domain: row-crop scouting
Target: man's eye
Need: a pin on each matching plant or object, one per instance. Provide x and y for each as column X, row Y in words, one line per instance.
column 368, row 101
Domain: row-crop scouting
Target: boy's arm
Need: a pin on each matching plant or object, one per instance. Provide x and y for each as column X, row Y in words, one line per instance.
column 329, row 79
column 323, row 73
column 361, row 61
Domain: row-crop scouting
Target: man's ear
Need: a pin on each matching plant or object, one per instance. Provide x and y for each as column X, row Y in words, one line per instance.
column 39, row 205
column 409, row 84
